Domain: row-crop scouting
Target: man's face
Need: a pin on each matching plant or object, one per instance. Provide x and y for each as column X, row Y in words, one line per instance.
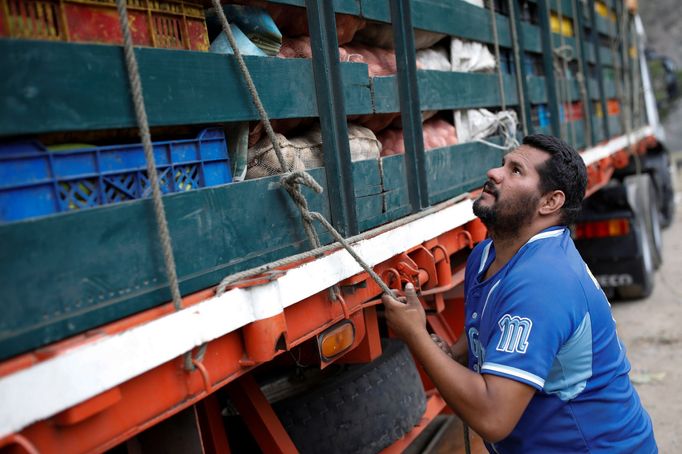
column 510, row 197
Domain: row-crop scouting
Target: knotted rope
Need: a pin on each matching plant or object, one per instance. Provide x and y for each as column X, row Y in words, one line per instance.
column 143, row 125
column 291, row 181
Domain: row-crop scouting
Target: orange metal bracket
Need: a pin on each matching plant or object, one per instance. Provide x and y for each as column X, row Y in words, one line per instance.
column 211, row 426
column 259, row 416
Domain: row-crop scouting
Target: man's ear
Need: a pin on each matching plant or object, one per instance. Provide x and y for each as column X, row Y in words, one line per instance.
column 552, row 202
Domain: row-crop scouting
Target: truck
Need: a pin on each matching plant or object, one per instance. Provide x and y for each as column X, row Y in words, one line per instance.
column 248, row 326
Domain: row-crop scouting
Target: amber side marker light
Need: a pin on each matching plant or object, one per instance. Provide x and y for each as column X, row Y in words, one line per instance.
column 336, row 340
column 602, row 229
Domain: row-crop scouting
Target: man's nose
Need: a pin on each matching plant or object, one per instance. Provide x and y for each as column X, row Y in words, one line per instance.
column 495, row 174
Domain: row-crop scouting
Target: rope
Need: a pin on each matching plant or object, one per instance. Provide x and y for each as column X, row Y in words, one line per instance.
column 188, row 361
column 143, row 125
column 496, row 41
column 518, row 66
column 249, row 83
column 159, row 210
column 291, row 181
column 319, row 252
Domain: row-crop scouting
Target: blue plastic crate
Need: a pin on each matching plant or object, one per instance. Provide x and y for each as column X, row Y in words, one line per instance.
column 37, row 182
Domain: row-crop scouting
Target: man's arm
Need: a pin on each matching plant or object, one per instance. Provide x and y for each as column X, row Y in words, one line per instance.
column 457, row 351
column 490, row 405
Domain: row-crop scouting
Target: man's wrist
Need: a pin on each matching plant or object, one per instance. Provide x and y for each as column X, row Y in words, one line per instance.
column 418, row 339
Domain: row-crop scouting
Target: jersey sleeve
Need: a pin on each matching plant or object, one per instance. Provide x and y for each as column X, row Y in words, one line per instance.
column 533, row 316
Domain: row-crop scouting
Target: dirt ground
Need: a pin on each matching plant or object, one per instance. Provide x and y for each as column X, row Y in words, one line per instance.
column 651, row 330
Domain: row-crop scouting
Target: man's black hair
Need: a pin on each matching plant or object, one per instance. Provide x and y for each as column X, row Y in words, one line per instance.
column 565, row 170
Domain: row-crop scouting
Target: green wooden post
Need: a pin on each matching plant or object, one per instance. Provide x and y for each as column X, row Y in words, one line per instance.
column 415, row 166
column 519, row 54
column 582, row 40
column 330, row 104
column 548, row 64
column 594, row 35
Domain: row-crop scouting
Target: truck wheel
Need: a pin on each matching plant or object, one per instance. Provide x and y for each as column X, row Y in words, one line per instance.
column 644, row 201
column 662, row 172
column 653, row 224
column 362, row 409
column 666, row 205
column 646, row 270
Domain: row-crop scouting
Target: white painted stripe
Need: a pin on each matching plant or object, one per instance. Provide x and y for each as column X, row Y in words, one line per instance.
column 599, row 152
column 547, row 234
column 514, row 372
column 45, row 389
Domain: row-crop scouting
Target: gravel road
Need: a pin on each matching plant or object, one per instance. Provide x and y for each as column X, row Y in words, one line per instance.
column 651, row 330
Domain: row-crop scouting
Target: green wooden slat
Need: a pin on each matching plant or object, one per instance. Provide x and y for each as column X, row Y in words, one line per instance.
column 544, row 130
column 589, row 52
column 610, row 88
column 393, row 171
column 537, row 90
column 567, row 40
column 566, row 8
column 180, row 87
column 597, row 123
column 370, row 211
column 340, row 6
column 459, row 168
column 579, row 126
column 452, row 17
column 615, row 127
column 573, row 89
column 459, row 18
column 531, row 37
column 607, row 57
column 440, row 90
column 105, row 263
column 367, row 177
column 605, row 26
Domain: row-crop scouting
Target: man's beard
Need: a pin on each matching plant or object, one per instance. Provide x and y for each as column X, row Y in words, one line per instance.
column 505, row 218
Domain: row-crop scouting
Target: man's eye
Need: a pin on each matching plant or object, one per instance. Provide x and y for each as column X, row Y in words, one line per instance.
column 516, row 170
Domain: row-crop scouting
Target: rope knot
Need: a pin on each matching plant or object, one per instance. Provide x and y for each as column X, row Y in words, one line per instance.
column 293, row 179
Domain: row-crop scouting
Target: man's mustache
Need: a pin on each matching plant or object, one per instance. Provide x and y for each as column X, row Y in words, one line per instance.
column 489, row 187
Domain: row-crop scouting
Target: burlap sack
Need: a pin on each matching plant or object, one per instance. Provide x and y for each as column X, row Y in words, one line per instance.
column 305, row 151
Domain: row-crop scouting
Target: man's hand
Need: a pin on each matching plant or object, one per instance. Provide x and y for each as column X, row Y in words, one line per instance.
column 405, row 318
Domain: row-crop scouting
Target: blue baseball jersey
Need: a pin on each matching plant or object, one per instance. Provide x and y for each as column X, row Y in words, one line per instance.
column 543, row 320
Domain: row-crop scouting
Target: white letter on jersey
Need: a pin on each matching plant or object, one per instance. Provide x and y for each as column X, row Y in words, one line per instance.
column 515, row 332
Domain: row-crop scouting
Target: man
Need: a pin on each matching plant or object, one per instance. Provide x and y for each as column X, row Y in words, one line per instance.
column 547, row 372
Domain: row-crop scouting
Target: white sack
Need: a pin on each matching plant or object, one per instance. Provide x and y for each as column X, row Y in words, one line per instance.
column 468, row 56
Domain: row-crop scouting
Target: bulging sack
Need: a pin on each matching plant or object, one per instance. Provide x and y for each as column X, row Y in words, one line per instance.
column 306, row 151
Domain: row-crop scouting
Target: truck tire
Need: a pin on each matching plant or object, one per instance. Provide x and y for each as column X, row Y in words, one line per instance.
column 362, row 409
column 659, row 165
column 646, row 268
column 653, row 226
column 666, row 204
column 644, row 201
